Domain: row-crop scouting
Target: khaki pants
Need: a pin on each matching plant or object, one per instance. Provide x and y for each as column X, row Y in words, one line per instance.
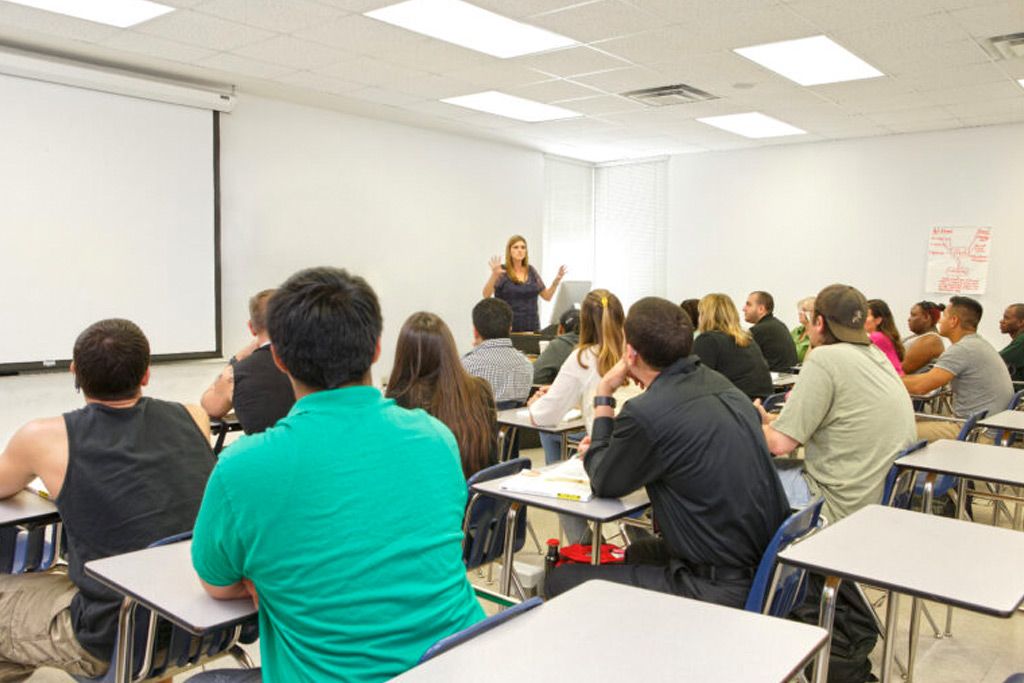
column 933, row 430
column 35, row 628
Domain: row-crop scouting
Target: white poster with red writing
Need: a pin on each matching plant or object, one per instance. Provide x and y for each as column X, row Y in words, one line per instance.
column 958, row 260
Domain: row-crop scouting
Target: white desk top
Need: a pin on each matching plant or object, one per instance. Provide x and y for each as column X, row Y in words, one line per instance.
column 666, row 638
column 965, row 459
column 25, row 507
column 783, row 379
column 596, row 509
column 1008, row 419
column 163, row 580
column 967, row 565
column 513, row 418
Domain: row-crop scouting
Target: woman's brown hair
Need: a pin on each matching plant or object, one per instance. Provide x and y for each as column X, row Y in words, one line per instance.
column 427, row 374
column 880, row 309
column 601, row 325
column 509, row 270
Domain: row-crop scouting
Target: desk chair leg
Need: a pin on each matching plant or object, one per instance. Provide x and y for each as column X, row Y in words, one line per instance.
column 888, row 650
column 125, row 642
column 507, row 568
column 595, row 544
column 242, row 657
column 881, row 627
column 826, row 617
column 915, row 624
column 533, row 535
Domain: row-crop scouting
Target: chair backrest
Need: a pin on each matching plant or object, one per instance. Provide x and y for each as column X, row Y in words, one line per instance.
column 773, row 403
column 479, row 627
column 945, row 482
column 484, row 524
column 901, row 499
column 1015, row 401
column 161, row 648
column 789, row 581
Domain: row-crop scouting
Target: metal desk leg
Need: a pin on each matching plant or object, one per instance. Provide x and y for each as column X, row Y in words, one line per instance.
column 888, row 651
column 125, row 641
column 595, row 544
column 826, row 616
column 915, row 604
column 510, row 541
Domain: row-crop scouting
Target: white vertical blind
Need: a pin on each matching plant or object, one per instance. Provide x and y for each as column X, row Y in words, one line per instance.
column 630, row 220
column 568, row 222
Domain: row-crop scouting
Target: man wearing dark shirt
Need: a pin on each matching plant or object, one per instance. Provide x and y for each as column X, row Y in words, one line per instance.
column 771, row 334
column 549, row 362
column 251, row 384
column 1013, row 354
column 695, row 442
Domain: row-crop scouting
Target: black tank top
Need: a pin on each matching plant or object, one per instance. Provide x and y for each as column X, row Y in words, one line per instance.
column 135, row 475
column 263, row 394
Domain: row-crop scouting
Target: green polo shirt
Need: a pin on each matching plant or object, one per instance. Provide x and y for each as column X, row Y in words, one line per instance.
column 1013, row 356
column 347, row 517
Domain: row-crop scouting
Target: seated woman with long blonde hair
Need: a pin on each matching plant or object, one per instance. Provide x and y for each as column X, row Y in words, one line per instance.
column 427, row 374
column 724, row 346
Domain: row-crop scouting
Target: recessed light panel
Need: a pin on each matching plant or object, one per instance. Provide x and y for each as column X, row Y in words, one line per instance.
column 752, row 124
column 120, row 13
column 1021, row 81
column 494, row 102
column 471, row 27
column 810, row 61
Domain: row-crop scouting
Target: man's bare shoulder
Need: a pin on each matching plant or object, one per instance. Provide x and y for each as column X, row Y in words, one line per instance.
column 41, row 431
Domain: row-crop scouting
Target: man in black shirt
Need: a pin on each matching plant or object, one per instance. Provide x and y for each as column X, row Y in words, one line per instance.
column 251, row 383
column 695, row 442
column 549, row 362
column 771, row 334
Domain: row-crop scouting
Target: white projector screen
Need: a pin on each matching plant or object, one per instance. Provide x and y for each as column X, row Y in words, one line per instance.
column 108, row 210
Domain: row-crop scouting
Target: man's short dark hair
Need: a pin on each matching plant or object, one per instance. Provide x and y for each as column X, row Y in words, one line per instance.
column 570, row 320
column 325, row 325
column 968, row 310
column 111, row 358
column 492, row 319
column 1018, row 311
column 258, row 310
column 766, row 300
column 659, row 331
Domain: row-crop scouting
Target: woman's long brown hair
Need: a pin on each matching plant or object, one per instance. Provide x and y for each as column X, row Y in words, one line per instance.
column 427, row 374
column 601, row 325
column 880, row 309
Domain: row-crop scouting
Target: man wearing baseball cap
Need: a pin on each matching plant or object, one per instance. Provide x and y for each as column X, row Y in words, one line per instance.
column 848, row 409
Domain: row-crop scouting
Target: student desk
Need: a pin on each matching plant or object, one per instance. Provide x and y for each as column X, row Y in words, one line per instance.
column 783, row 381
column 26, row 507
column 1008, row 420
column 664, row 637
column 971, row 566
column 162, row 579
column 519, row 418
column 596, row 510
column 220, row 427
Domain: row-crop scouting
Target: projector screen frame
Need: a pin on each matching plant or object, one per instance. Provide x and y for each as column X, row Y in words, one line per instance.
column 7, row 369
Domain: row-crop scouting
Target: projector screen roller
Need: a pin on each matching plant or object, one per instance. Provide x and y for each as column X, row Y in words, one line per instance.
column 108, row 211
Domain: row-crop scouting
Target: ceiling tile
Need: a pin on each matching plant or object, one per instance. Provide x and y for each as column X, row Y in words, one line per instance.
column 901, row 37
column 937, row 79
column 525, row 8
column 370, row 71
column 549, row 91
column 923, row 126
column 602, row 104
column 137, row 43
column 598, row 21
column 383, row 96
column 232, row 63
column 994, row 19
column 572, row 61
column 282, row 16
column 936, row 58
column 320, row 82
column 992, row 119
column 498, row 76
column 356, row 33
column 432, row 86
column 695, row 12
column 438, row 57
column 618, row 81
column 832, row 15
column 190, row 27
column 293, row 52
column 966, row 95
column 921, row 115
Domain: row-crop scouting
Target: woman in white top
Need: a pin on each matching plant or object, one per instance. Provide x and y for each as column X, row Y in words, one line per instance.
column 924, row 345
column 602, row 343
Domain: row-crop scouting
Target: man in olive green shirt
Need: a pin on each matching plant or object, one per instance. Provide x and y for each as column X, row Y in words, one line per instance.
column 1013, row 354
column 848, row 408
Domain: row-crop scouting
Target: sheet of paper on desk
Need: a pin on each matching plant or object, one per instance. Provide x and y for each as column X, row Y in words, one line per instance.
column 37, row 487
column 573, row 414
column 567, row 480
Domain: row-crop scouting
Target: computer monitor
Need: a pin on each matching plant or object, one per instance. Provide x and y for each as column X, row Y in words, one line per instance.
column 570, row 295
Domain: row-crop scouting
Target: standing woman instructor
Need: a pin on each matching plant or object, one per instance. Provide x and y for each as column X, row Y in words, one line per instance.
column 518, row 284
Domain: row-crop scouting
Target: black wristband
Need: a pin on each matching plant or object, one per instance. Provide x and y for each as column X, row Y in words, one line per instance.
column 232, row 361
column 604, row 401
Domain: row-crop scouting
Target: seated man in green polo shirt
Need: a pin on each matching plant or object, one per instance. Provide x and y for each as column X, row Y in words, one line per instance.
column 344, row 520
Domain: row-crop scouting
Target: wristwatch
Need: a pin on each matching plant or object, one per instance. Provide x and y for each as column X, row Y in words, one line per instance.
column 604, row 401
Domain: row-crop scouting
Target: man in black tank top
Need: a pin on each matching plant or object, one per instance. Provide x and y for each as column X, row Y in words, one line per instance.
column 123, row 462
column 251, row 384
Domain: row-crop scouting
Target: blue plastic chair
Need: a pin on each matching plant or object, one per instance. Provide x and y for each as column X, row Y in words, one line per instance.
column 161, row 649
column 891, row 496
column 479, row 627
column 773, row 403
column 30, row 549
column 788, row 584
column 484, row 524
column 1015, row 678
column 945, row 483
column 1011, row 438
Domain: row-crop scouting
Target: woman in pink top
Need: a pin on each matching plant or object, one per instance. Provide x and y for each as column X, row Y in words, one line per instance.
column 883, row 333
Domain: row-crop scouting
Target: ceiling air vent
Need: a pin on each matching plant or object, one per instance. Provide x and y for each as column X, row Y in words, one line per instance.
column 1006, row 47
column 665, row 95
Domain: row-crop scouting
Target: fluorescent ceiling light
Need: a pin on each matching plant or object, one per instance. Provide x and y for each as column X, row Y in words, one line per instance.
column 1021, row 81
column 494, row 102
column 469, row 26
column 752, row 124
column 810, row 61
column 120, row 13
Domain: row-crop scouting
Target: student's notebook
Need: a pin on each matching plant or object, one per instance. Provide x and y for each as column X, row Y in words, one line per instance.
column 567, row 480
column 37, row 487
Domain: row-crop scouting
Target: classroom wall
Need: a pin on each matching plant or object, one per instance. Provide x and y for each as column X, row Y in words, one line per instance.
column 416, row 212
column 792, row 219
